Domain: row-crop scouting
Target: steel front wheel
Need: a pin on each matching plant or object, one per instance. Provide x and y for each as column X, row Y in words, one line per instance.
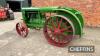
column 22, row 29
column 58, row 30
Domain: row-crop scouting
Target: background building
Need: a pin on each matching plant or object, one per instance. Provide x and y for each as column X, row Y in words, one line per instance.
column 16, row 5
column 2, row 2
column 89, row 8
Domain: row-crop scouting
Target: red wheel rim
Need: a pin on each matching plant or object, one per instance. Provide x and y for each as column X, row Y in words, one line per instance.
column 22, row 29
column 58, row 31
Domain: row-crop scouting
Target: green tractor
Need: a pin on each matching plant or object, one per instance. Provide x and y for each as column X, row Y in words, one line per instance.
column 60, row 24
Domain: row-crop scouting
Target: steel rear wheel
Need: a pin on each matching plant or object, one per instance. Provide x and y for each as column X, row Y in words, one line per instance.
column 22, row 29
column 58, row 30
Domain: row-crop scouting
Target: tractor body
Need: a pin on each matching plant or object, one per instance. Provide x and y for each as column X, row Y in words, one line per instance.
column 60, row 21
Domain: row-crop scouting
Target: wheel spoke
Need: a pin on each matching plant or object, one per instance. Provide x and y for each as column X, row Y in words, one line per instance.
column 60, row 23
column 67, row 37
column 59, row 39
column 21, row 33
column 65, row 23
column 54, row 36
column 19, row 26
column 63, row 35
column 52, row 22
column 57, row 21
column 24, row 33
column 66, row 29
column 49, row 28
column 69, row 31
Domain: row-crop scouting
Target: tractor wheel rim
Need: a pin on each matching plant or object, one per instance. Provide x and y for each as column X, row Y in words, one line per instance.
column 55, row 35
column 22, row 29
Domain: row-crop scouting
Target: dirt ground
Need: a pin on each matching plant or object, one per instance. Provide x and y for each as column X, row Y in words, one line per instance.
column 11, row 44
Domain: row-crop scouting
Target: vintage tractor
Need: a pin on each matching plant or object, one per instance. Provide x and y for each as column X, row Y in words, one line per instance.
column 6, row 13
column 60, row 24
